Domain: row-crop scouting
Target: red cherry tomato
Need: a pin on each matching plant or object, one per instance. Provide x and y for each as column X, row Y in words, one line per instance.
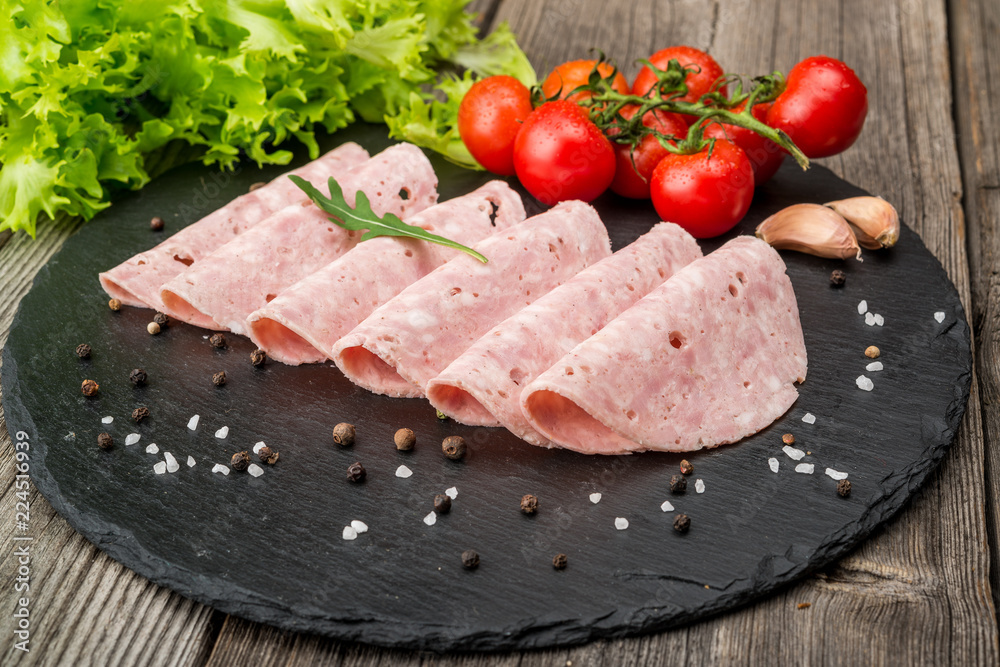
column 765, row 156
column 489, row 118
column 705, row 195
column 560, row 154
column 822, row 108
column 698, row 83
column 632, row 181
column 568, row 76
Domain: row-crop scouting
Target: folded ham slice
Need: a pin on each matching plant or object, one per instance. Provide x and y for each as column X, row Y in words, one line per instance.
column 220, row 291
column 137, row 281
column 707, row 358
column 305, row 321
column 483, row 386
column 415, row 335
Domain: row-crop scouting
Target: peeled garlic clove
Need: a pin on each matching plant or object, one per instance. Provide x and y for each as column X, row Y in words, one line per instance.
column 875, row 221
column 810, row 228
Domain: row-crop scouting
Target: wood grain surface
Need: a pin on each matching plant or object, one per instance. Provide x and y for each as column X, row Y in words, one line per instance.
column 921, row 591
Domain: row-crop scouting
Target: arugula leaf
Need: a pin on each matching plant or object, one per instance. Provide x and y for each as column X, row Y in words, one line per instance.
column 361, row 217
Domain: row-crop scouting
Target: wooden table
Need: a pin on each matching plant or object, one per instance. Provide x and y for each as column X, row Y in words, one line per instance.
column 921, row 590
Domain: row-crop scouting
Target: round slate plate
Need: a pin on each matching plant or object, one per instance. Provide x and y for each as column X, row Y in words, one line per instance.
column 270, row 548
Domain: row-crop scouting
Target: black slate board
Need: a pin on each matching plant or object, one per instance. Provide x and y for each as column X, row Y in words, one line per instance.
column 270, row 549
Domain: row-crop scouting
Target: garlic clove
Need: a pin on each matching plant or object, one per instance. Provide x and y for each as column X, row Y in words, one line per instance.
column 875, row 221
column 810, row 228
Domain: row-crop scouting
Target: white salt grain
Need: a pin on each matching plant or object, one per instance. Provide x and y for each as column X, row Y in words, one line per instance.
column 193, row 422
column 864, row 383
column 870, row 319
column 107, row 420
column 874, row 366
column 667, row 506
column 218, row 467
column 793, row 453
column 172, row 465
column 222, row 433
column 451, row 493
column 805, row 468
column 259, row 446
column 190, row 462
column 350, row 533
column 160, row 468
column 879, row 320
column 152, row 449
column 773, row 463
column 809, row 418
column 431, row 518
column 255, row 470
column 699, row 486
column 862, row 308
column 131, row 439
column 403, row 471
column 939, row 316
column 835, row 474
column 359, row 526
column 621, row 523
column 595, row 498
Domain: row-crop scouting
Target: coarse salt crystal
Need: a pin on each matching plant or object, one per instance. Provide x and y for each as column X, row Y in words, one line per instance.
column 160, row 468
column 132, row 438
column 359, row 526
column 255, row 470
column 190, row 462
column 835, row 474
column 805, row 468
column 205, row 337
column 699, row 486
column 222, row 433
column 451, row 493
column 939, row 316
column 431, row 518
column 667, row 506
column 403, row 471
column 793, row 452
column 862, row 308
column 259, row 446
column 350, row 533
column 879, row 320
column 172, row 465
column 773, row 463
column 870, row 319
column 218, row 467
column 193, row 422
column 874, row 366
column 595, row 498
column 107, row 420
column 864, row 383
column 809, row 418
column 621, row 523
column 152, row 449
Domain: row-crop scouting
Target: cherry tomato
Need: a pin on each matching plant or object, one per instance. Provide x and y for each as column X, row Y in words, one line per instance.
column 705, row 195
column 765, row 156
column 633, row 180
column 489, row 118
column 822, row 108
column 568, row 76
column 698, row 83
column 560, row 154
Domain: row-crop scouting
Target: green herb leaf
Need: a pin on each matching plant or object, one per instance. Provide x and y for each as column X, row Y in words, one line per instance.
column 361, row 216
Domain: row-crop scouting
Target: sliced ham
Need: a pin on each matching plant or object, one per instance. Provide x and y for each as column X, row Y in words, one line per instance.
column 709, row 357
column 137, row 281
column 246, row 273
column 483, row 386
column 415, row 335
column 305, row 321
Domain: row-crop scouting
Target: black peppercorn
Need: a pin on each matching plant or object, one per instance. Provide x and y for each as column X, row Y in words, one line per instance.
column 837, row 278
column 140, row 413
column 454, row 447
column 686, row 467
column 529, row 504
column 83, row 351
column 219, row 378
column 138, row 376
column 89, row 388
column 240, row 461
column 470, row 559
column 104, row 441
column 217, row 341
column 682, row 523
column 678, row 484
column 156, row 224
column 258, row 357
column 162, row 320
column 356, row 472
column 442, row 503
column 343, row 434
column 404, row 439
column 267, row 455
column 844, row 488
column 559, row 561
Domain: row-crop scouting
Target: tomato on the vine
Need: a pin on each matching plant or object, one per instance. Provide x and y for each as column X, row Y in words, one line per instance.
column 822, row 108
column 705, row 194
column 560, row 154
column 489, row 118
column 632, row 180
column 765, row 156
column 568, row 76
column 698, row 83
